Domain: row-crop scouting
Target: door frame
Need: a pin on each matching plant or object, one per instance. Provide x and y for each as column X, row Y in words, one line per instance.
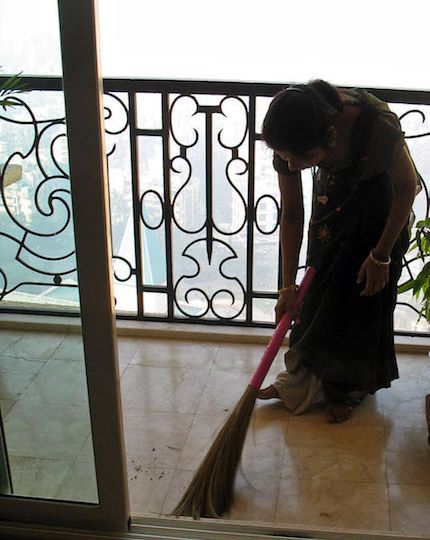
column 82, row 85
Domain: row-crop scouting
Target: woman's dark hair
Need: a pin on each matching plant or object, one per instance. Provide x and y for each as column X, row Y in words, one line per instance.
column 300, row 117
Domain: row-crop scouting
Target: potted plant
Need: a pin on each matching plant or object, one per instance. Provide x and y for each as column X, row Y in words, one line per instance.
column 420, row 286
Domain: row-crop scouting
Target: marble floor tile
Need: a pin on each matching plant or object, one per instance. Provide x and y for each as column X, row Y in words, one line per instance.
column 413, row 367
column 179, row 483
column 158, row 389
column 261, row 453
column 35, row 477
column 342, row 436
column 41, row 430
column 353, row 505
column 203, row 431
column 222, row 392
column 315, row 414
column 174, row 353
column 71, row 348
column 86, row 453
column 127, row 347
column 14, row 364
column 255, row 498
column 13, row 385
column 370, row 411
column 337, row 464
column 5, row 406
column 245, row 358
column 271, row 410
column 59, row 381
column 404, row 404
column 155, row 440
column 410, row 509
column 263, row 449
column 37, row 345
column 408, row 467
column 399, row 439
column 148, row 488
column 80, row 484
column 8, row 337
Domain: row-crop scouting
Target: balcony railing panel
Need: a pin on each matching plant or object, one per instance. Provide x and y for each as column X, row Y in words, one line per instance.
column 194, row 201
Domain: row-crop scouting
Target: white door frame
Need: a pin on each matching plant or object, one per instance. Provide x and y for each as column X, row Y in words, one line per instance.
column 82, row 84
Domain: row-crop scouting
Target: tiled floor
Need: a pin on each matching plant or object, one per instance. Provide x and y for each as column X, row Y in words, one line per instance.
column 372, row 472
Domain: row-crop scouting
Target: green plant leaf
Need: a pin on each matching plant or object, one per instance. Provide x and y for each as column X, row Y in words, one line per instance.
column 12, row 85
column 421, row 279
column 405, row 286
column 423, row 223
column 9, row 102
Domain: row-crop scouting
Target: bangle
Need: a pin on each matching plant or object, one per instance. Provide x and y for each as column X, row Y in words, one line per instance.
column 377, row 261
column 287, row 288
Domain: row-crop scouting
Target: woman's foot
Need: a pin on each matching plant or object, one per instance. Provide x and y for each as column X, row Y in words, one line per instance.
column 338, row 413
column 268, row 393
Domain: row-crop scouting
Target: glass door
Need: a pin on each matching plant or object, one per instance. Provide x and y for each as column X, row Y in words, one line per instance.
column 61, row 448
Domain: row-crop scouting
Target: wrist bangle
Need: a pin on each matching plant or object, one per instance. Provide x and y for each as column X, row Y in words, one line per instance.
column 288, row 288
column 377, row 261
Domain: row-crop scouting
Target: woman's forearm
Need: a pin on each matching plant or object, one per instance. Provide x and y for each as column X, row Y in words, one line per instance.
column 291, row 241
column 403, row 176
column 397, row 218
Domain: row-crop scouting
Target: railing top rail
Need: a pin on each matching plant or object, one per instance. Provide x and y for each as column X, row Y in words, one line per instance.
column 392, row 95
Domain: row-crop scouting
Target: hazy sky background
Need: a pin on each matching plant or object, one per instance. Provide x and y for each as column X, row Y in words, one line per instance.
column 373, row 43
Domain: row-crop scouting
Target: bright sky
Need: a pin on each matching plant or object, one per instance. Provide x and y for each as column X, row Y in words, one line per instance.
column 374, row 43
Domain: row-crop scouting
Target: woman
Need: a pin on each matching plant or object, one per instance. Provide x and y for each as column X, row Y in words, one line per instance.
column 364, row 184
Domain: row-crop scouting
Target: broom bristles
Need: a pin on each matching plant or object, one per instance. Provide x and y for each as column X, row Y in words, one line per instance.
column 210, row 492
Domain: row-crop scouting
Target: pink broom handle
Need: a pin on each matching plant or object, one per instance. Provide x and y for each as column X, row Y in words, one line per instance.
column 279, row 334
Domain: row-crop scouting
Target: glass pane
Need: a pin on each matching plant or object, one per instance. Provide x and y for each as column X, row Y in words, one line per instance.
column 263, row 310
column 46, row 446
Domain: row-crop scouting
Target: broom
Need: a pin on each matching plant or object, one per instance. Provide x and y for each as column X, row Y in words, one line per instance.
column 210, row 492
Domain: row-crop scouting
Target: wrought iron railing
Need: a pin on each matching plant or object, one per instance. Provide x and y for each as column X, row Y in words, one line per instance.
column 194, row 201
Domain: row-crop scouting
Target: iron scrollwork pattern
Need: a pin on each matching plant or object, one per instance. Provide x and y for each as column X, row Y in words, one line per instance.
column 194, row 206
column 416, row 130
column 36, row 231
column 209, row 249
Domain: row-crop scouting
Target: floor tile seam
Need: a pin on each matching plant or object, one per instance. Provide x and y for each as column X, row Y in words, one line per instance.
column 82, row 446
column 390, row 510
column 59, row 345
column 317, row 478
column 41, row 401
column 155, row 468
column 23, row 357
column 186, row 439
column 211, row 371
column 4, row 416
column 410, row 484
column 63, row 479
column 334, row 481
column 14, row 455
column 166, row 366
column 162, row 505
column 186, row 368
column 334, row 447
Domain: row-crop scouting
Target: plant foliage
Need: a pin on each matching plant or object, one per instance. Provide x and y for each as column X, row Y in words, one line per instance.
column 8, row 90
column 420, row 286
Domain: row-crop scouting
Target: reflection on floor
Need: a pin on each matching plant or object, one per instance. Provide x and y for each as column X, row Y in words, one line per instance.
column 372, row 472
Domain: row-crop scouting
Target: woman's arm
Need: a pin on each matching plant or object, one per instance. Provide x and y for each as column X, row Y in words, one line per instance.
column 291, row 227
column 403, row 176
column 291, row 235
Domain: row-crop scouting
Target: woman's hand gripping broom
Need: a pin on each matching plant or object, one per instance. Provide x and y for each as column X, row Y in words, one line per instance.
column 210, row 492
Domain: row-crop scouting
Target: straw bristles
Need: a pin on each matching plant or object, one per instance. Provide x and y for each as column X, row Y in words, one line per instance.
column 210, row 492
